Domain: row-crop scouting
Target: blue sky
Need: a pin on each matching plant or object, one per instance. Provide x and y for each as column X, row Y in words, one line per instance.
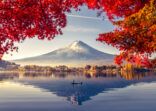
column 83, row 25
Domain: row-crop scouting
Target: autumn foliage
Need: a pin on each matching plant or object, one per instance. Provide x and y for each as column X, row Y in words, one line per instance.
column 134, row 36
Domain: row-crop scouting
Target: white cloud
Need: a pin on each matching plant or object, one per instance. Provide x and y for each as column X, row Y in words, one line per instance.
column 85, row 17
column 81, row 29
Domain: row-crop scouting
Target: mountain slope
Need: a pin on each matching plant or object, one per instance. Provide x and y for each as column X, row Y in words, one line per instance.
column 76, row 54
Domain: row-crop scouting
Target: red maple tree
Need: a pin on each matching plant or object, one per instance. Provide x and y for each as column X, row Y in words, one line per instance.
column 22, row 19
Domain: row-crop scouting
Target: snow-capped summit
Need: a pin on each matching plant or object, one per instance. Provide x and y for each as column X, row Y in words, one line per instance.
column 77, row 53
column 79, row 46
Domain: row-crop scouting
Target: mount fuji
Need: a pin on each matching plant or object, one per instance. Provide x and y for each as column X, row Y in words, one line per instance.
column 76, row 54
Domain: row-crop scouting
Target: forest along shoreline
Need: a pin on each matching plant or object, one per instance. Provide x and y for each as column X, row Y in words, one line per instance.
column 11, row 67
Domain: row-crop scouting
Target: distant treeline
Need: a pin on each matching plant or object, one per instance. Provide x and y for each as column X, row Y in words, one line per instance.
column 8, row 65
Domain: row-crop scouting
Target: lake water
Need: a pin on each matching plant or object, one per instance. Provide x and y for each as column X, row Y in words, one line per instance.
column 99, row 92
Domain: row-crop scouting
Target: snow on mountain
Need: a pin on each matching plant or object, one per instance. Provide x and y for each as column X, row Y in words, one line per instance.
column 76, row 54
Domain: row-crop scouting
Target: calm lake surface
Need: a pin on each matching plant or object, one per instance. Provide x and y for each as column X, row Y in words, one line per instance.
column 99, row 92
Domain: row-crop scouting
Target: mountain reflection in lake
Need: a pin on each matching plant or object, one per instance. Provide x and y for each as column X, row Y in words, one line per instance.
column 99, row 92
